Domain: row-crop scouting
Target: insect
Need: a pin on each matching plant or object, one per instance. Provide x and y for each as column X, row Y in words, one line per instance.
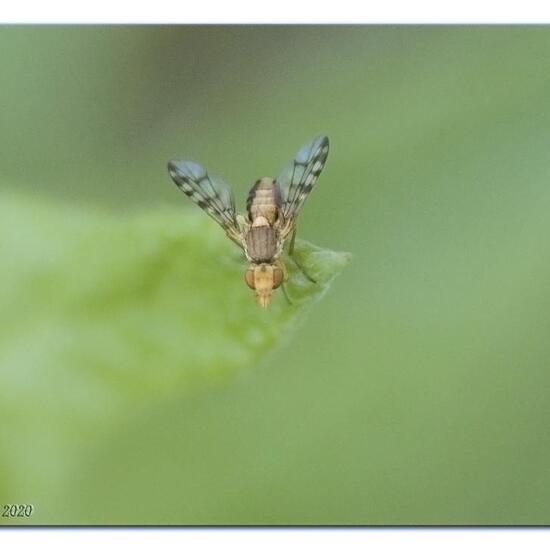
column 272, row 209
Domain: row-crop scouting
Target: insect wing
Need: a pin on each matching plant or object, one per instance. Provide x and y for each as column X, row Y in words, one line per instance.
column 211, row 193
column 299, row 177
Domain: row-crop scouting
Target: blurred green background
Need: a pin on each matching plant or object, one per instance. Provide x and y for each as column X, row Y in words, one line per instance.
column 418, row 390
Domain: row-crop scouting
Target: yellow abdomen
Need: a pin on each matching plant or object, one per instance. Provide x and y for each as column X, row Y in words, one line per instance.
column 264, row 200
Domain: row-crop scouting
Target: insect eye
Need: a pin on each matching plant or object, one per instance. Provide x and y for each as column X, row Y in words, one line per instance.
column 249, row 278
column 278, row 277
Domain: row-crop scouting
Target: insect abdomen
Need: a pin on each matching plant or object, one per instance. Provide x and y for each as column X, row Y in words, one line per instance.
column 264, row 200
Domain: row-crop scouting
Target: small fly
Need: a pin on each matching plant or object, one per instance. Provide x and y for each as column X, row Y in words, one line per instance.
column 272, row 209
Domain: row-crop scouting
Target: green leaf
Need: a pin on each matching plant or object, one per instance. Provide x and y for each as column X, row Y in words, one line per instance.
column 102, row 315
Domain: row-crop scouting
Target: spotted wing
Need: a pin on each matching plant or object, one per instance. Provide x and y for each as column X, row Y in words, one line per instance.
column 211, row 193
column 299, row 177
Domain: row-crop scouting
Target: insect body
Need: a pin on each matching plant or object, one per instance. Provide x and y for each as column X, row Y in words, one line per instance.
column 272, row 209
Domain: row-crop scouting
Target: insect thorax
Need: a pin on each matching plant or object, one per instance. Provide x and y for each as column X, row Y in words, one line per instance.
column 262, row 244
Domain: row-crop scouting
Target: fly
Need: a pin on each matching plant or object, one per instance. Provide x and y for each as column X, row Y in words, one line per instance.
column 272, row 209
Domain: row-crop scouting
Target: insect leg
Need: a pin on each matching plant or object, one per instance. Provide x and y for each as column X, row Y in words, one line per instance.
column 291, row 245
column 234, row 237
column 298, row 265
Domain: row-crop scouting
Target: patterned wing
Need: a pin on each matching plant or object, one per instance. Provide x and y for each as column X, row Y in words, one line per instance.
column 211, row 193
column 299, row 177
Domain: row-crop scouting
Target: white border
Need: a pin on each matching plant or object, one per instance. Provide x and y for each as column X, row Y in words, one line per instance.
column 284, row 12
column 275, row 11
column 275, row 539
